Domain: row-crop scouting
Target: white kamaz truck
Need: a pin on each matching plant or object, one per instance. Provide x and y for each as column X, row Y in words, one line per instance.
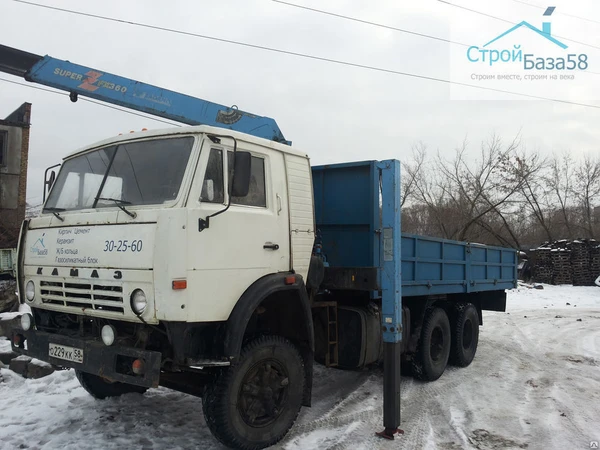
column 215, row 261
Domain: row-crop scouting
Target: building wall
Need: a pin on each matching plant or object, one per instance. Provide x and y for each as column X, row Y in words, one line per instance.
column 13, row 174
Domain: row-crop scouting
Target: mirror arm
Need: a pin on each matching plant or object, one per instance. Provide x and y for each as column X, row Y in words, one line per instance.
column 203, row 224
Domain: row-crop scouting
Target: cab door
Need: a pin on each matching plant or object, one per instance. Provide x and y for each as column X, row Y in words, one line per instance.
column 242, row 244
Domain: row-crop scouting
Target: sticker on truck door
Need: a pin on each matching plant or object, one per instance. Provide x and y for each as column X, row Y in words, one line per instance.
column 129, row 246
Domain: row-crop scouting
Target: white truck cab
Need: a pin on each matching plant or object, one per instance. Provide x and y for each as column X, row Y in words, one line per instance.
column 160, row 255
column 124, row 215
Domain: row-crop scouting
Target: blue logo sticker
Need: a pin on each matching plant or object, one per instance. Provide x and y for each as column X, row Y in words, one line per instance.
column 38, row 248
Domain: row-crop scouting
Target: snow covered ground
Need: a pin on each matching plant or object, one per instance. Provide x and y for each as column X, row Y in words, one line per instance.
column 535, row 383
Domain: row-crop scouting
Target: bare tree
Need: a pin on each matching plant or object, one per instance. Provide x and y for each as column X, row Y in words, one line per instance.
column 411, row 171
column 427, row 195
column 586, row 190
column 485, row 186
column 516, row 169
column 559, row 180
column 505, row 195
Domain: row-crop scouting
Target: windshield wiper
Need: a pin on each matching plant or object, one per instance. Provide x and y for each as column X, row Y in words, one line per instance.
column 120, row 204
column 55, row 211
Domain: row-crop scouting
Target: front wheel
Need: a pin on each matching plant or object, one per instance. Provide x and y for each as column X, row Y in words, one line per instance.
column 100, row 388
column 433, row 349
column 253, row 403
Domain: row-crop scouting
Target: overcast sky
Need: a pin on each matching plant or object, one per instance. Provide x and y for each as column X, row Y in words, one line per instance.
column 335, row 113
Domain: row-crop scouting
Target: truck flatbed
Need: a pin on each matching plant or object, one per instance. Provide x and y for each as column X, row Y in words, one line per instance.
column 348, row 206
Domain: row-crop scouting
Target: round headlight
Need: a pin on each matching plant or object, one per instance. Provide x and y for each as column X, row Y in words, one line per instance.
column 138, row 302
column 26, row 321
column 30, row 291
column 108, row 334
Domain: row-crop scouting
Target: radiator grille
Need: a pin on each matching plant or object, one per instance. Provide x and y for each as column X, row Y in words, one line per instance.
column 99, row 297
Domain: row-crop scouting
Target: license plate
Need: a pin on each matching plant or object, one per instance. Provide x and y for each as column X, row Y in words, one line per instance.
column 66, row 353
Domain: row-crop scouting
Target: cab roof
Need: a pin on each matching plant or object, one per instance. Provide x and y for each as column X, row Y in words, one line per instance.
column 197, row 129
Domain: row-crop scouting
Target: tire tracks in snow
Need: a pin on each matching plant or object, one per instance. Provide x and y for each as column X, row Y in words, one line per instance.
column 525, row 377
column 539, row 390
column 416, row 397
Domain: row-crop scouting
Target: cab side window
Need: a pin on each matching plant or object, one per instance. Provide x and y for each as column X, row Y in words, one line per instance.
column 257, row 195
column 213, row 186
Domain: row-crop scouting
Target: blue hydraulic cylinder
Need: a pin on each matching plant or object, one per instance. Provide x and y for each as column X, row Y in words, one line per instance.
column 154, row 100
column 390, row 244
column 390, row 282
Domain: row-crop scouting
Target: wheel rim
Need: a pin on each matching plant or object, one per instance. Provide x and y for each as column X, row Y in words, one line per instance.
column 263, row 393
column 436, row 347
column 467, row 334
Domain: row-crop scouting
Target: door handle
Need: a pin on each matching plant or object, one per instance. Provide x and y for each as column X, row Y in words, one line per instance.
column 279, row 207
column 271, row 246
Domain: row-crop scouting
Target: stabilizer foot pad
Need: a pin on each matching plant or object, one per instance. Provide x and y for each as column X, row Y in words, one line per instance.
column 389, row 433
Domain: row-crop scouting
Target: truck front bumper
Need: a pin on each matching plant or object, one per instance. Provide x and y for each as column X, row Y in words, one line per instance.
column 98, row 359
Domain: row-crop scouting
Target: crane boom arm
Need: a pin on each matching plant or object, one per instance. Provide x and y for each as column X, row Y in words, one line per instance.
column 132, row 94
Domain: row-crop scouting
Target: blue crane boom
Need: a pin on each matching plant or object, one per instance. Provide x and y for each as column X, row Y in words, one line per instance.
column 133, row 94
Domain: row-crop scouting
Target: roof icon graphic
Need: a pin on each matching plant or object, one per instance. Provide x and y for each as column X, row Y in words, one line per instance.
column 545, row 32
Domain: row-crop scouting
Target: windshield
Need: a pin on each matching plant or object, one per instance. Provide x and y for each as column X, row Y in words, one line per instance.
column 135, row 173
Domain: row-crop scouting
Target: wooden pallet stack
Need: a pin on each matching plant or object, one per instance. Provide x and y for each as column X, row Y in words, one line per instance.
column 566, row 262
column 595, row 260
column 561, row 266
column 580, row 262
column 542, row 265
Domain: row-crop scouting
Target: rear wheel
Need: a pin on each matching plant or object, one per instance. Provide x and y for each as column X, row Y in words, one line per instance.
column 253, row 404
column 433, row 349
column 100, row 388
column 465, row 335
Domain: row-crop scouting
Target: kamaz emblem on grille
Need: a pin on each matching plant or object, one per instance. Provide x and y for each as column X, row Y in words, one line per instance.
column 117, row 275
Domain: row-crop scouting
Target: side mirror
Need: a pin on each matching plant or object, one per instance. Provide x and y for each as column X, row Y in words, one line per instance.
column 49, row 180
column 241, row 178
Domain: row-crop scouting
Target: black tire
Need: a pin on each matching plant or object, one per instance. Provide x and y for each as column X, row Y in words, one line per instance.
column 433, row 350
column 253, row 403
column 99, row 388
column 465, row 335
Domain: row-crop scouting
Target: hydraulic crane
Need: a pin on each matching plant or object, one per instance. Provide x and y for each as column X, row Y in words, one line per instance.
column 132, row 94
